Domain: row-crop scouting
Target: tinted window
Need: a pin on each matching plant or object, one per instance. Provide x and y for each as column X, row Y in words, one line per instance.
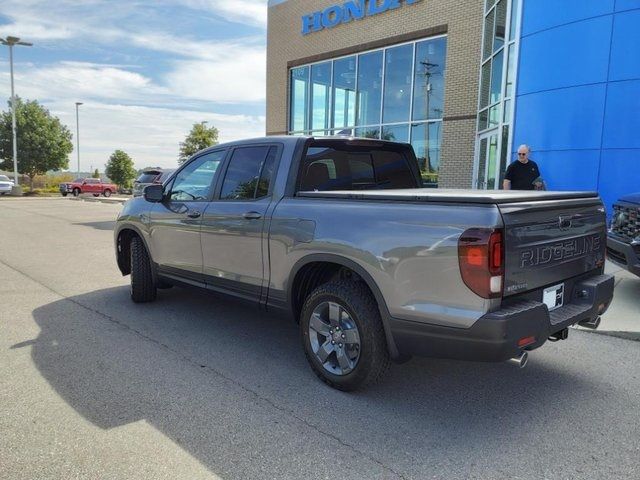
column 195, row 181
column 354, row 168
column 147, row 177
column 249, row 173
column 4, row 178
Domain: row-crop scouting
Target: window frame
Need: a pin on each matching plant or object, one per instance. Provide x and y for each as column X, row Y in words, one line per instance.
column 225, row 167
column 170, row 182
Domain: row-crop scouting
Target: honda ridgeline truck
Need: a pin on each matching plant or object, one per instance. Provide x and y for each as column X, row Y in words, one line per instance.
column 339, row 233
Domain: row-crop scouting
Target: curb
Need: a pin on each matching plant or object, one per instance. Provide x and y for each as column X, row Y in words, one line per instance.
column 113, row 201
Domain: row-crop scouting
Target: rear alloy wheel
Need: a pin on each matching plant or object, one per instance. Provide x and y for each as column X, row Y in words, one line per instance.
column 107, row 193
column 142, row 287
column 343, row 336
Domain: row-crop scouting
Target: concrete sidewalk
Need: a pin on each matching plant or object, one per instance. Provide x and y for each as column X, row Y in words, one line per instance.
column 623, row 317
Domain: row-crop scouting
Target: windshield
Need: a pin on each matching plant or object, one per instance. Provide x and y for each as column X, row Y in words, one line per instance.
column 4, row 178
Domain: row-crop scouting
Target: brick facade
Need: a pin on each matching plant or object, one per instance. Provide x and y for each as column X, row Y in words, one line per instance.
column 462, row 22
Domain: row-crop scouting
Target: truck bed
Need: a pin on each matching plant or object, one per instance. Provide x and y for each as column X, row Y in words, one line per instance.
column 450, row 195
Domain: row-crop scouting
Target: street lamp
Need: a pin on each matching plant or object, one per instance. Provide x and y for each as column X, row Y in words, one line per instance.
column 10, row 42
column 78, row 135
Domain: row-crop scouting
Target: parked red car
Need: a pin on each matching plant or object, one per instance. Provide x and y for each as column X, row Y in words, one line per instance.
column 94, row 186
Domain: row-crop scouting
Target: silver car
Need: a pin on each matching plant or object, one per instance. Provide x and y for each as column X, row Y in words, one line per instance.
column 6, row 184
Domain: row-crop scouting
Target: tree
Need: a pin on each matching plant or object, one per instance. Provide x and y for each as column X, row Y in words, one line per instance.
column 44, row 143
column 120, row 169
column 199, row 138
column 96, row 174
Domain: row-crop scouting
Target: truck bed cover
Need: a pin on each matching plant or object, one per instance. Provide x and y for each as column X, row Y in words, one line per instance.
column 450, row 195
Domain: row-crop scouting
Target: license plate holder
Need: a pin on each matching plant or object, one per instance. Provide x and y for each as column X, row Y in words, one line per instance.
column 553, row 297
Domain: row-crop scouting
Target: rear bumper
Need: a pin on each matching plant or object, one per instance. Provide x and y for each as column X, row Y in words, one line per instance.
column 623, row 254
column 494, row 337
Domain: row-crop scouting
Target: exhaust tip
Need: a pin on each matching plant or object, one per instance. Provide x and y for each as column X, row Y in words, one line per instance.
column 592, row 324
column 520, row 361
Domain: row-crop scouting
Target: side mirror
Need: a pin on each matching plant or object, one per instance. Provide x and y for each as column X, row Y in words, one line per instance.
column 153, row 193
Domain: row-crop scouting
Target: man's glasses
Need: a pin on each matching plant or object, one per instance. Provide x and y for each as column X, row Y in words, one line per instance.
column 521, row 154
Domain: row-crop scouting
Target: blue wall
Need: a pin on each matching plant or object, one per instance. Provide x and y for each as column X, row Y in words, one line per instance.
column 578, row 94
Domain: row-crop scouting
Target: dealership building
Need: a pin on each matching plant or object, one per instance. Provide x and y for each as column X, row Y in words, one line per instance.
column 467, row 82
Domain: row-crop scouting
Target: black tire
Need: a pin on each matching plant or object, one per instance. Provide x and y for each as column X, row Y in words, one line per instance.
column 65, row 194
column 76, row 192
column 142, row 287
column 107, row 193
column 96, row 194
column 359, row 303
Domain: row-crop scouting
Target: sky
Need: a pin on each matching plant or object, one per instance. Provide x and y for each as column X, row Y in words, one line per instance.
column 145, row 70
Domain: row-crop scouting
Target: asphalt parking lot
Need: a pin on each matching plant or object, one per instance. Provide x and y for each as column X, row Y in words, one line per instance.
column 199, row 386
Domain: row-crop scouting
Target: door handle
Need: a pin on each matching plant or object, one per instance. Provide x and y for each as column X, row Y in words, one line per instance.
column 194, row 214
column 252, row 216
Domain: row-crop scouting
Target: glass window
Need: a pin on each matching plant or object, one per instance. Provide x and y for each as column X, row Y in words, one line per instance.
column 510, row 71
column 4, row 178
column 488, row 35
column 369, row 88
column 268, row 170
column 428, row 89
column 320, row 95
column 425, row 138
column 243, row 176
column 348, row 167
column 496, row 77
column 344, row 92
column 148, row 177
column 371, row 132
column 494, row 116
column 194, row 182
column 485, row 84
column 515, row 5
column 501, row 24
column 396, row 133
column 483, row 118
column 397, row 85
column 299, row 98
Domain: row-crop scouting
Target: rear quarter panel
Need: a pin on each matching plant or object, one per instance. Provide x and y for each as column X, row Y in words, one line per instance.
column 409, row 249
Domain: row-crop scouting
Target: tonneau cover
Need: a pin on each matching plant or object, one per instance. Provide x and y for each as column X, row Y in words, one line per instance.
column 451, row 195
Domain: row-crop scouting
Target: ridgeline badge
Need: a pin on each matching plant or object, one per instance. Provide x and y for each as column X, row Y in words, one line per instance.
column 348, row 11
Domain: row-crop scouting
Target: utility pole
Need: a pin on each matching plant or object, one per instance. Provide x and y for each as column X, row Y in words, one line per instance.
column 10, row 42
column 78, row 135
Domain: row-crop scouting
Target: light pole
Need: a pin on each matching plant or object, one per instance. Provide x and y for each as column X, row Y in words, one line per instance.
column 10, row 42
column 78, row 135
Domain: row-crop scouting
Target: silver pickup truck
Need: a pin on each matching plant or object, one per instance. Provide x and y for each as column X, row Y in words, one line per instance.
column 338, row 233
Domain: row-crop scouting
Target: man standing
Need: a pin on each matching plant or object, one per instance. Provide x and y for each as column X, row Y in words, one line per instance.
column 523, row 174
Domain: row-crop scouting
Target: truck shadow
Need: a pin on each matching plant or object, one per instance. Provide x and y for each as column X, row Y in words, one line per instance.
column 226, row 382
column 109, row 225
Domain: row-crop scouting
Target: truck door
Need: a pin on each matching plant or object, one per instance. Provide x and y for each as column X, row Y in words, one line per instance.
column 175, row 222
column 234, row 222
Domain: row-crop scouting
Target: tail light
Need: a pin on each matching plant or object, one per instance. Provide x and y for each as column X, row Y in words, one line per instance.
column 481, row 259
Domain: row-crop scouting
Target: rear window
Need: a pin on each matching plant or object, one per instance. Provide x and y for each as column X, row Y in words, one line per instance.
column 350, row 167
column 148, row 177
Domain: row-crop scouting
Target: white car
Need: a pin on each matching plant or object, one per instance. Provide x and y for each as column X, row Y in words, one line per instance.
column 5, row 184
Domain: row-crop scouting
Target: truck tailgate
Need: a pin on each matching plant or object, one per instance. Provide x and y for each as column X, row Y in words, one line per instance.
column 547, row 242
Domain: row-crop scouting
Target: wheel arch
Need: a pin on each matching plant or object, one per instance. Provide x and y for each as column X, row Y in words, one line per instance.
column 335, row 263
column 124, row 236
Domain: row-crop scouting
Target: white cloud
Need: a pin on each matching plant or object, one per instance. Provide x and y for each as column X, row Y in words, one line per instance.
column 244, row 11
column 135, row 107
column 234, row 79
column 150, row 135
